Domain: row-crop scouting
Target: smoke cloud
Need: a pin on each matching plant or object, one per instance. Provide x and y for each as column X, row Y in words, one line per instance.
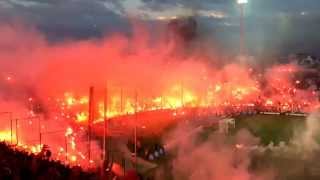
column 44, row 78
column 213, row 158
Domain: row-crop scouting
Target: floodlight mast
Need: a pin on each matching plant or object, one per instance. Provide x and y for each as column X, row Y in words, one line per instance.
column 242, row 4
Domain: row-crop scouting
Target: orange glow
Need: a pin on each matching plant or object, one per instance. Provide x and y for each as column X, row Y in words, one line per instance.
column 167, row 81
column 218, row 88
column 6, row 136
column 81, row 117
column 239, row 92
column 69, row 131
column 73, row 158
column 269, row 102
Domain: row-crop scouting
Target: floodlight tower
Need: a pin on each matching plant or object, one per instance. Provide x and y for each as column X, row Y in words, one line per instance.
column 242, row 4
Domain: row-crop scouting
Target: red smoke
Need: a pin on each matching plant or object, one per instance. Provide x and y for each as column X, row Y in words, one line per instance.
column 54, row 78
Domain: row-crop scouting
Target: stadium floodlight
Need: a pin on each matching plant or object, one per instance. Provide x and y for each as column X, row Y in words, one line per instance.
column 242, row 1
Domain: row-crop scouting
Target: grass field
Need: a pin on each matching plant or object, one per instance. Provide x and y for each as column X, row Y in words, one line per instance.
column 268, row 128
column 271, row 128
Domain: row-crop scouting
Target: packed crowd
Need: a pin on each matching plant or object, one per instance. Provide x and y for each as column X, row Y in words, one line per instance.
column 18, row 165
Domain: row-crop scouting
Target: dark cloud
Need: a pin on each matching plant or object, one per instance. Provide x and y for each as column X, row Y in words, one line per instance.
column 193, row 4
column 279, row 25
column 256, row 7
column 286, row 5
column 66, row 18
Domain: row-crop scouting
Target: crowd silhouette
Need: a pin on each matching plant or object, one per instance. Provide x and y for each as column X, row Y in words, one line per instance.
column 17, row 164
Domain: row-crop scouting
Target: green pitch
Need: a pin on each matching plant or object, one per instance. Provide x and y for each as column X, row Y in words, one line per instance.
column 271, row 128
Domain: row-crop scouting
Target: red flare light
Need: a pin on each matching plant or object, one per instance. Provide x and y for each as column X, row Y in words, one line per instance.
column 158, row 81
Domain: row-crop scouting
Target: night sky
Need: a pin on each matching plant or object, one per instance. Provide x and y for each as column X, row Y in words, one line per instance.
column 272, row 26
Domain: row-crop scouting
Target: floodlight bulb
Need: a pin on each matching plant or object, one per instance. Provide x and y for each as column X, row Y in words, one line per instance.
column 242, row 1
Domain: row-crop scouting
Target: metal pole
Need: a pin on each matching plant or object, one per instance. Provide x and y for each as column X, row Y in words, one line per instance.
column 135, row 129
column 66, row 147
column 40, row 136
column 39, row 129
column 11, row 127
column 124, row 165
column 105, row 122
column 121, row 100
column 242, row 30
column 91, row 117
column 105, row 125
column 17, row 135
